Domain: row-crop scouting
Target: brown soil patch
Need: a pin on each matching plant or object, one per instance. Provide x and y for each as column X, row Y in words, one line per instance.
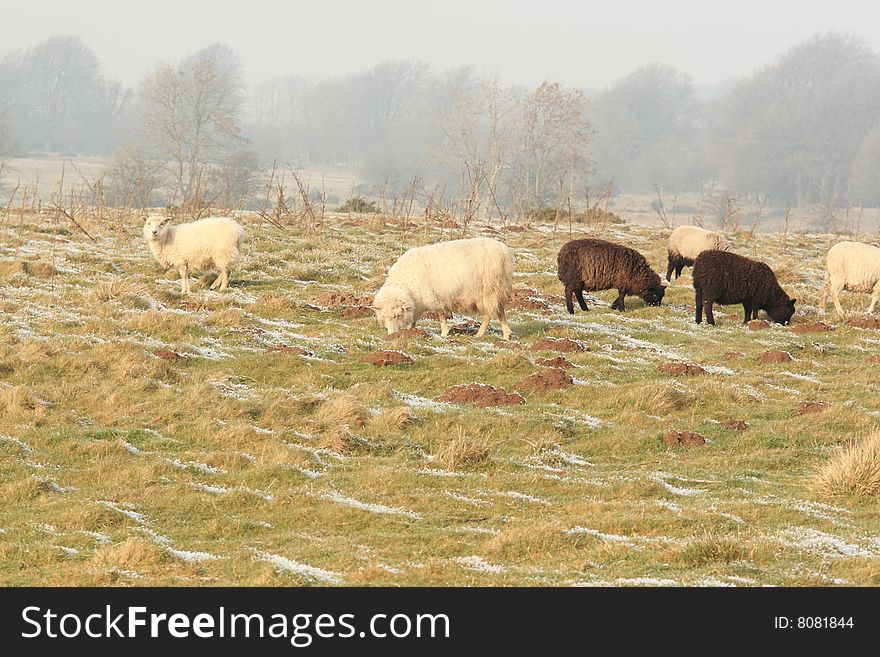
column 467, row 327
column 873, row 360
column 736, row 425
column 818, row 327
column 775, row 356
column 355, row 313
column 167, row 354
column 682, row 369
column 732, row 355
column 289, row 349
column 562, row 345
column 758, row 324
column 514, row 229
column 525, row 298
column 350, row 306
column 683, row 438
column 558, row 362
column 550, row 379
column 481, row 395
column 808, row 407
column 408, row 334
column 382, row 358
column 869, row 322
column 193, row 306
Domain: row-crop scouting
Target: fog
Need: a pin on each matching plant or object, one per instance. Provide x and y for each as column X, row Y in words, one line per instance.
column 529, row 104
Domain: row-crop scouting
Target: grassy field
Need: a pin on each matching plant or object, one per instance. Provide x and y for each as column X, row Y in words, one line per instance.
column 240, row 438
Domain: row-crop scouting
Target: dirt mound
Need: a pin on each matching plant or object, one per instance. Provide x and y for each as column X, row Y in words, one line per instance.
column 732, row 355
column 818, row 327
column 808, row 407
column 736, row 425
column 758, row 324
column 383, row 357
column 683, row 438
column 559, row 362
column 289, row 349
column 467, row 327
column 167, row 354
column 349, row 306
column 514, row 229
column 561, row 345
column 526, row 298
column 408, row 334
column 682, row 369
column 869, row 322
column 481, row 395
column 550, row 379
column 775, row 356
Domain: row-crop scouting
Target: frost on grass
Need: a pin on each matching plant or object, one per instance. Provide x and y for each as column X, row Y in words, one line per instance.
column 660, row 478
column 339, row 498
column 477, row 563
column 286, row 565
column 139, row 518
column 821, row 543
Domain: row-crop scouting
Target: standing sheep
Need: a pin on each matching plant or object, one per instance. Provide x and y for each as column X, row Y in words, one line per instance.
column 463, row 276
column 851, row 266
column 209, row 243
column 686, row 243
column 724, row 278
column 593, row 264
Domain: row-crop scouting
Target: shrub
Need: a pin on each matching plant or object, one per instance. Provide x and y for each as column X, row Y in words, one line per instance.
column 359, row 205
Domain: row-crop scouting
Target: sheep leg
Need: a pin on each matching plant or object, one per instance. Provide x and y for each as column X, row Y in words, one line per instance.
column 699, row 304
column 184, row 279
column 569, row 303
column 678, row 271
column 618, row 305
column 483, row 326
column 823, row 298
column 444, row 327
column 217, row 280
column 224, row 283
column 835, row 297
column 670, row 267
column 505, row 327
column 755, row 310
column 875, row 296
column 747, row 309
column 707, row 307
column 579, row 294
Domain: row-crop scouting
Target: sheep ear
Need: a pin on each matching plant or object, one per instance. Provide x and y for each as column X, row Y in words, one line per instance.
column 165, row 221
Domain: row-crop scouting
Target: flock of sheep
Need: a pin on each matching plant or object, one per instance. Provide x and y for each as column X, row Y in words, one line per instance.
column 475, row 276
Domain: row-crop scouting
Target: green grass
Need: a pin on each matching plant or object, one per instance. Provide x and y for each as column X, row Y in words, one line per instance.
column 120, row 467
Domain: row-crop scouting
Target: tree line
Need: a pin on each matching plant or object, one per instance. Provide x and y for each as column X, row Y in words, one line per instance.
column 804, row 129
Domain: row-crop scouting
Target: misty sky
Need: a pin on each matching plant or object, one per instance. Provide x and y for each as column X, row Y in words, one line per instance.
column 578, row 43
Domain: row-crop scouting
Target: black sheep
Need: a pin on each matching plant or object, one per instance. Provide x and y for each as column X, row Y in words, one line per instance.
column 594, row 264
column 724, row 278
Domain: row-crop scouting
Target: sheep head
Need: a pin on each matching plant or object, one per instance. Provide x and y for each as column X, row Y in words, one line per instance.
column 155, row 227
column 394, row 308
column 653, row 295
column 782, row 313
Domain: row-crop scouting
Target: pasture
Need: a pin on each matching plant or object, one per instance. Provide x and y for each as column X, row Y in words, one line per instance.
column 250, row 438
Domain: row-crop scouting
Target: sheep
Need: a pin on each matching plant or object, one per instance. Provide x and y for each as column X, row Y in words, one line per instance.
column 594, row 264
column 686, row 243
column 851, row 266
column 209, row 243
column 464, row 276
column 724, row 278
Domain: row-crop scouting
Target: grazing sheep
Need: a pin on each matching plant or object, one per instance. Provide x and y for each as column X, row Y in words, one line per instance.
column 851, row 266
column 463, row 276
column 593, row 264
column 724, row 278
column 686, row 243
column 209, row 243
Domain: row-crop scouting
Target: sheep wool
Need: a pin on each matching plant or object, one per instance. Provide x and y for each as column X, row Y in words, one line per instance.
column 726, row 278
column 854, row 267
column 469, row 276
column 686, row 243
column 593, row 264
column 206, row 244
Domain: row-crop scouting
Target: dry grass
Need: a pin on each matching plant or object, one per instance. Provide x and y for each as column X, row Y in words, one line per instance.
column 853, row 470
column 462, row 452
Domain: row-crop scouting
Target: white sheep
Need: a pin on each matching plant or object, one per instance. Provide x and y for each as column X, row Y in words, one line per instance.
column 463, row 276
column 209, row 243
column 686, row 243
column 851, row 266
